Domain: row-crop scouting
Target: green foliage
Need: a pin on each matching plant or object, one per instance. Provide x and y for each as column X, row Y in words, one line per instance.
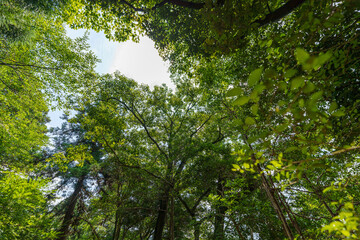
column 23, row 205
column 345, row 224
column 39, row 66
column 269, row 89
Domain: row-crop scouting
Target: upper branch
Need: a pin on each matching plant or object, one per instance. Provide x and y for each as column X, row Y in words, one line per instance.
column 186, row 4
column 280, row 12
column 140, row 120
column 180, row 3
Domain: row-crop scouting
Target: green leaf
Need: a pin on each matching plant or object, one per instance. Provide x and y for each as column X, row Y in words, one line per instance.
column 321, row 59
column 309, row 87
column 249, row 121
column 254, row 77
column 338, row 113
column 280, row 156
column 301, row 102
column 297, row 82
column 259, row 88
column 277, row 177
column 236, row 167
column 346, row 233
column 291, row 149
column 269, row 43
column 241, row 100
column 316, row 96
column 276, row 164
column 290, row 73
column 254, row 109
column 282, row 127
column 234, row 92
column 333, row 107
column 246, row 165
column 301, row 55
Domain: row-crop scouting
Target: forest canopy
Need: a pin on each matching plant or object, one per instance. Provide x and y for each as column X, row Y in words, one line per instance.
column 259, row 139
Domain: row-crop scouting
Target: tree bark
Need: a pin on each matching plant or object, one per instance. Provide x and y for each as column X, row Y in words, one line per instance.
column 280, row 12
column 118, row 221
column 237, row 228
column 172, row 206
column 69, row 212
column 275, row 203
column 219, row 233
column 117, row 228
column 271, row 195
column 161, row 218
column 196, row 229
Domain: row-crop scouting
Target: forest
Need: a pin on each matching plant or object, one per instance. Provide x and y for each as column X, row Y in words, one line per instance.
column 259, row 140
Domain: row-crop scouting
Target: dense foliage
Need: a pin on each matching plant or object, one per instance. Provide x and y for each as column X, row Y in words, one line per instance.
column 259, row 140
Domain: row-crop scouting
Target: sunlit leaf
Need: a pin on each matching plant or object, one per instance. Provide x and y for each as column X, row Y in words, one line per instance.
column 249, row 121
column 254, row 77
column 301, row 55
column 234, row 92
column 241, row 100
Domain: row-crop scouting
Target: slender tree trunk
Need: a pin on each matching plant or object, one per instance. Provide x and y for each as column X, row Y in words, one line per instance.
column 118, row 221
column 196, row 229
column 220, row 215
column 275, row 203
column 237, row 228
column 117, row 228
column 271, row 195
column 219, row 233
column 161, row 218
column 69, row 212
column 172, row 206
column 125, row 230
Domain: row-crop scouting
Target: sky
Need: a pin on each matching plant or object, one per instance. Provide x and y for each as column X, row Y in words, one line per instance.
column 139, row 61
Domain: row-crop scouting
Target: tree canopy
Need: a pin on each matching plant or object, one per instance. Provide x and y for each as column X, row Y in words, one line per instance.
column 259, row 140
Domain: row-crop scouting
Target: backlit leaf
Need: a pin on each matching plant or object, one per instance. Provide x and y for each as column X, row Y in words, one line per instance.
column 254, row 77
column 241, row 100
column 234, row 92
column 301, row 55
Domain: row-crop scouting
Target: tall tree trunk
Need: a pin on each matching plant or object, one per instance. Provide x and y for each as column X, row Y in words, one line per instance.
column 161, row 218
column 196, row 229
column 69, row 212
column 270, row 193
column 118, row 221
column 219, row 233
column 172, row 206
column 237, row 228
column 125, row 230
column 117, row 228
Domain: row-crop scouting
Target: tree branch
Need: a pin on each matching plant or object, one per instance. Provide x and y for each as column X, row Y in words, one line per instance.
column 219, row 138
column 200, row 127
column 180, row 3
column 280, row 12
column 91, row 226
column 186, row 4
column 132, row 6
column 186, row 206
column 200, row 198
column 142, row 124
column 27, row 65
column 135, row 167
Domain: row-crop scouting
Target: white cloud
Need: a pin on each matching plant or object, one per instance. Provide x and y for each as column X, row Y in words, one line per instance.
column 141, row 62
